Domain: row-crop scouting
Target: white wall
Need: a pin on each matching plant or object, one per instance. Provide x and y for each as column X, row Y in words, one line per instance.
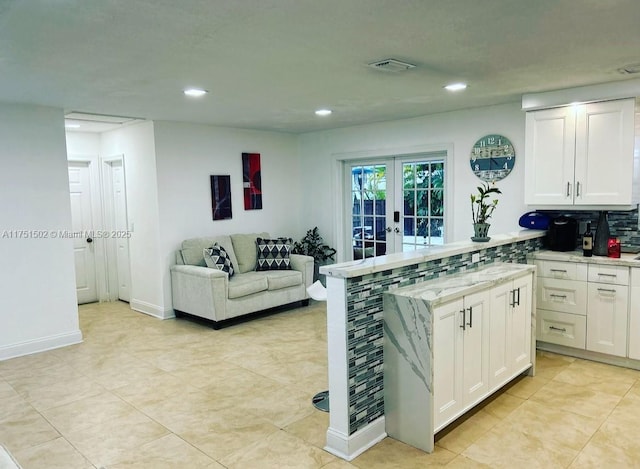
column 461, row 129
column 83, row 144
column 136, row 143
column 188, row 154
column 37, row 275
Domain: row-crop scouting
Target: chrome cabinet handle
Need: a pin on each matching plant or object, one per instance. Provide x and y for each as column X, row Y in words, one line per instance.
column 558, row 270
column 568, row 188
column 518, row 300
column 578, row 189
column 470, row 323
column 608, row 290
column 557, row 329
column 554, row 295
column 464, row 319
column 607, row 275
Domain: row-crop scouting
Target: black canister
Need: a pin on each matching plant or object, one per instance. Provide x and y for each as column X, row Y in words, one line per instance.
column 600, row 243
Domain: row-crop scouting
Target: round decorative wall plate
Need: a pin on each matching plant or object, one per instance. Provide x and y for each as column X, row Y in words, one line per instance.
column 492, row 157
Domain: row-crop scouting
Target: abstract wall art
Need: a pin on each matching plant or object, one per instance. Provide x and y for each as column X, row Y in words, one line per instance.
column 221, row 197
column 252, row 181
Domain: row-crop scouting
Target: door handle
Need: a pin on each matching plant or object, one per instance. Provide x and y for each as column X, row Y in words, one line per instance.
column 388, row 229
column 470, row 323
column 89, row 240
column 397, row 230
column 464, row 319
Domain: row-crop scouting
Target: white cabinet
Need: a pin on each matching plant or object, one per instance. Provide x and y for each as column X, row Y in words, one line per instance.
column 510, row 331
column 607, row 309
column 586, row 305
column 461, row 343
column 634, row 314
column 580, row 154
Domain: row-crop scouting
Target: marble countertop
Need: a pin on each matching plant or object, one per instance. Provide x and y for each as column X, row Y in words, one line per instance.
column 629, row 260
column 452, row 287
column 401, row 259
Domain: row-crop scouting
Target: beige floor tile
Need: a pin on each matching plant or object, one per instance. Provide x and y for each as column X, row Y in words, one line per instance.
column 24, row 380
column 462, row 462
column 510, row 448
column 525, row 386
column 393, row 454
column 25, row 429
column 548, row 365
column 87, row 413
column 281, row 406
column 11, row 402
column 312, row 429
column 219, row 433
column 169, row 452
column 605, row 451
column 577, row 399
column 155, row 389
column 53, row 454
column 464, row 432
column 501, row 404
column 102, row 442
column 62, row 392
column 279, row 450
column 550, row 424
column 599, row 377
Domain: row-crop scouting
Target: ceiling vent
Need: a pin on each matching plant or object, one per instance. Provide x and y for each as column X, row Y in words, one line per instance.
column 630, row 69
column 391, row 65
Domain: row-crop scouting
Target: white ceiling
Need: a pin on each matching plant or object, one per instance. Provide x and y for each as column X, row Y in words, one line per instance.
column 268, row 64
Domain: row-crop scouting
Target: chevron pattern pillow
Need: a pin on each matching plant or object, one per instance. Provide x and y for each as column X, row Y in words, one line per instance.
column 273, row 254
column 217, row 258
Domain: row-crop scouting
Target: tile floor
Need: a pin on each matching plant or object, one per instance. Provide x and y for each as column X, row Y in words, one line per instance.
column 141, row 393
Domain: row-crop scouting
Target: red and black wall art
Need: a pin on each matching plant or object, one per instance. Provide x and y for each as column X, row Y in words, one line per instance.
column 252, row 181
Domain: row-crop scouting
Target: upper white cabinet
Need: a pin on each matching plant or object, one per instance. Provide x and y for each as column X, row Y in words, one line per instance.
column 580, row 154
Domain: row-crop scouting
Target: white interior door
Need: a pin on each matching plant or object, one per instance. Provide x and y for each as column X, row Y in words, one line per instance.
column 121, row 233
column 82, row 226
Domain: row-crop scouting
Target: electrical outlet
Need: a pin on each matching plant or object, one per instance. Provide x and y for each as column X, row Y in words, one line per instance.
column 475, row 257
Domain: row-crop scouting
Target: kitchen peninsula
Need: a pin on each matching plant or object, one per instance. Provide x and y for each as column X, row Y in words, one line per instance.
column 355, row 333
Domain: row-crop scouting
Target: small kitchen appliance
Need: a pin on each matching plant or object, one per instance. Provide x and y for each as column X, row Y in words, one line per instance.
column 562, row 234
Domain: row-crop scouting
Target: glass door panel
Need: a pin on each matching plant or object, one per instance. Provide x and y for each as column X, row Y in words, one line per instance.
column 369, row 210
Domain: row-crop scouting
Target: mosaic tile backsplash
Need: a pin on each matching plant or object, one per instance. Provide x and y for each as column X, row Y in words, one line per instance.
column 364, row 320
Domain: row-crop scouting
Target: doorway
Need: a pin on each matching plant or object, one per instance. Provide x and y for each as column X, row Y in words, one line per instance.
column 395, row 204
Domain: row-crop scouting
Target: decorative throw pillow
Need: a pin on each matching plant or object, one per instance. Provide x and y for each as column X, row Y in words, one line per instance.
column 217, row 258
column 273, row 254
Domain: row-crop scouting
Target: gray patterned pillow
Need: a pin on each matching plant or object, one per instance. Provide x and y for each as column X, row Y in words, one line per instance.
column 217, row 258
column 273, row 254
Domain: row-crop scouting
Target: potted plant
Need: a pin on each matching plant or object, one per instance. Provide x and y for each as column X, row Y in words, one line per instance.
column 313, row 245
column 481, row 210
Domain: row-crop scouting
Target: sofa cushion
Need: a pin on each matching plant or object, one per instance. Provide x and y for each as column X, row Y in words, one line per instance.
column 247, row 284
column 244, row 246
column 273, row 254
column 277, row 279
column 216, row 257
column 192, row 249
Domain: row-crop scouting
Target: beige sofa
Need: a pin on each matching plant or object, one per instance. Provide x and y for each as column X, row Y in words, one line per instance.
column 209, row 293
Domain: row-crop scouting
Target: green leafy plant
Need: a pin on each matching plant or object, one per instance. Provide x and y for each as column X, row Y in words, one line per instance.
column 481, row 207
column 313, row 245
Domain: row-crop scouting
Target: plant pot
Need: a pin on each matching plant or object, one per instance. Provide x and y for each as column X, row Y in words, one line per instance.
column 480, row 231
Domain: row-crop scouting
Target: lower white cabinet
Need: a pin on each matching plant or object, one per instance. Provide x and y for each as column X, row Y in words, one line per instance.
column 450, row 343
column 634, row 314
column 460, row 340
column 510, row 331
column 607, row 319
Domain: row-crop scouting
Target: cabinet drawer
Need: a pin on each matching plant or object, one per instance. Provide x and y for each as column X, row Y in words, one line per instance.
column 612, row 274
column 561, row 328
column 566, row 296
column 562, row 270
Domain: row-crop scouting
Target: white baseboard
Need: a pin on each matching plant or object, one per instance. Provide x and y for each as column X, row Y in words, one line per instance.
column 349, row 447
column 40, row 345
column 151, row 309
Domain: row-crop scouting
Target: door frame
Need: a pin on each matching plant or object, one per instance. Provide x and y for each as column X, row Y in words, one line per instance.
column 341, row 160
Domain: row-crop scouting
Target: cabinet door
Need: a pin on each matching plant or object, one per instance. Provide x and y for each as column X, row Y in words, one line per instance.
column 607, row 319
column 634, row 315
column 499, row 330
column 447, row 362
column 604, row 153
column 476, row 347
column 520, row 322
column 549, row 156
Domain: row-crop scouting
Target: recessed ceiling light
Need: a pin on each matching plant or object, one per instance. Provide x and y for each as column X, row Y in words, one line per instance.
column 323, row 112
column 456, row 86
column 195, row 92
column 71, row 126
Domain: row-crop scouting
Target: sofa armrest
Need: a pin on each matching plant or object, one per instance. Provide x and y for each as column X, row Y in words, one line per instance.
column 305, row 265
column 200, row 291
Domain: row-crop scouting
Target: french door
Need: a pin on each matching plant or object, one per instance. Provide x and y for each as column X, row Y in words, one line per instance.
column 396, row 204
